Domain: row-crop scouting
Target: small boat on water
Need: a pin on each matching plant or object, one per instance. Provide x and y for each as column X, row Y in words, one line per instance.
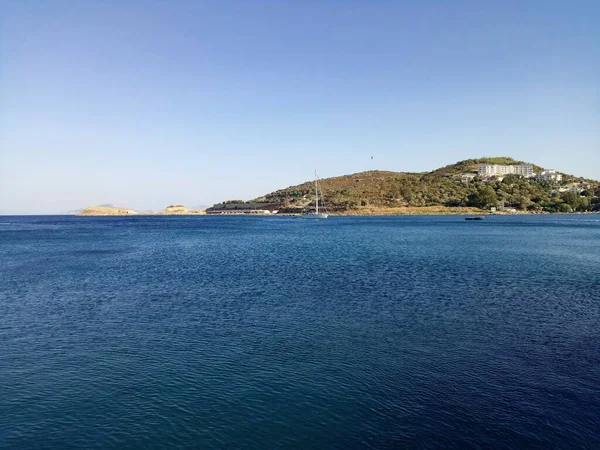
column 316, row 214
column 474, row 218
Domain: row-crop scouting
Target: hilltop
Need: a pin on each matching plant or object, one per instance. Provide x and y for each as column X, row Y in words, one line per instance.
column 442, row 190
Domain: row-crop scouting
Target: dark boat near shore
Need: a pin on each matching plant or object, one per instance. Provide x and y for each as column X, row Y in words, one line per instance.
column 474, row 218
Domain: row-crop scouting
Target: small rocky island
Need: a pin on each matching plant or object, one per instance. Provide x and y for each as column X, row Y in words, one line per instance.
column 107, row 211
column 171, row 210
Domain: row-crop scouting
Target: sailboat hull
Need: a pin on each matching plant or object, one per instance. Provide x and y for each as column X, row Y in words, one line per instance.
column 315, row 216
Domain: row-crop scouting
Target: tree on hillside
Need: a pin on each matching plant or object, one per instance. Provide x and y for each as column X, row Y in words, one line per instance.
column 512, row 179
column 572, row 199
column 523, row 202
column 584, row 204
column 483, row 198
column 564, row 207
column 498, row 160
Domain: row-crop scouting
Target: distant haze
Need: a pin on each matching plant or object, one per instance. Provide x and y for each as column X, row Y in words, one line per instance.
column 146, row 104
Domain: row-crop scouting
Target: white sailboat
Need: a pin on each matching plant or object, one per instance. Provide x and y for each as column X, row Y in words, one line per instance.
column 316, row 214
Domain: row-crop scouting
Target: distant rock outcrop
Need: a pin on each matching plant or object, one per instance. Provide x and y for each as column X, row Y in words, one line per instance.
column 181, row 210
column 171, row 210
column 107, row 211
column 176, row 209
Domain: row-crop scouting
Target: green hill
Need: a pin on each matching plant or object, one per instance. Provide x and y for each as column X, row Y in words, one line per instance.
column 444, row 187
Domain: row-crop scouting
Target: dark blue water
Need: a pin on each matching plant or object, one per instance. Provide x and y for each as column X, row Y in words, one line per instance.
column 247, row 332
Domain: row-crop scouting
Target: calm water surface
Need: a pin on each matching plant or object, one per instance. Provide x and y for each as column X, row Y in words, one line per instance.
column 248, row 332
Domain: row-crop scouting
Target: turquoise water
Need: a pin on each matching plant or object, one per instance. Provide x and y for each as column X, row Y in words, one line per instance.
column 251, row 332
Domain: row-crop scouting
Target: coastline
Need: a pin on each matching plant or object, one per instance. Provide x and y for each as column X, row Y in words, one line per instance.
column 367, row 212
column 372, row 213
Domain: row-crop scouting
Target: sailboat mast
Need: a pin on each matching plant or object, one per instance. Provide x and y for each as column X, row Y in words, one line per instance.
column 316, row 194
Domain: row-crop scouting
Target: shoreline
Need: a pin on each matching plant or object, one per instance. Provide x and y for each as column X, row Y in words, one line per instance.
column 369, row 213
column 345, row 214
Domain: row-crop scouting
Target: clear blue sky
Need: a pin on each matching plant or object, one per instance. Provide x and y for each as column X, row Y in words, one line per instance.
column 149, row 103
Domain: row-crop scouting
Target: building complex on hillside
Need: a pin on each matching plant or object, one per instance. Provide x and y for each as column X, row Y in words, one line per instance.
column 576, row 188
column 549, row 175
column 525, row 170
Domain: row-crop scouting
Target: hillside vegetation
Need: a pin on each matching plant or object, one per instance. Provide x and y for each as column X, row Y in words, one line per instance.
column 382, row 190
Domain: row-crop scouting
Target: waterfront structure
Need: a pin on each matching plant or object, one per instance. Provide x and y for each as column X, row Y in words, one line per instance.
column 243, row 208
column 525, row 170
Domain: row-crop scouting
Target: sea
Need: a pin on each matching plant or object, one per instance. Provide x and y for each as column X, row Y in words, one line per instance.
column 212, row 332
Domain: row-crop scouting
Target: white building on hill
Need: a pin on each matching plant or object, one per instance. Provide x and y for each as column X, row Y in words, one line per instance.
column 549, row 175
column 525, row 170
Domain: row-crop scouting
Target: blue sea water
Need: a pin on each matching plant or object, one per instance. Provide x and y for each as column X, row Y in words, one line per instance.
column 256, row 332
